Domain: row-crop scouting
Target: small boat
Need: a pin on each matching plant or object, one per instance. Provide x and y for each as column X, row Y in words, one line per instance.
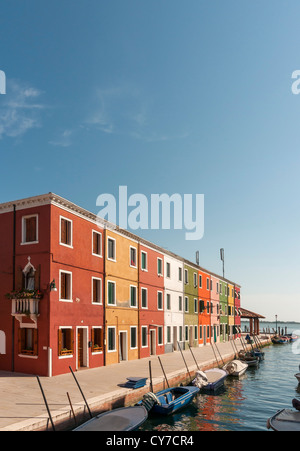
column 279, row 340
column 285, row 420
column 124, row 419
column 249, row 359
column 236, row 368
column 297, row 376
column 169, row 401
column 215, row 379
column 259, row 354
column 252, row 363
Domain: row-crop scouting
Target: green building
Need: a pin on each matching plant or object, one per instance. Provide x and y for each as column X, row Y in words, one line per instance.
column 223, row 293
column 191, row 306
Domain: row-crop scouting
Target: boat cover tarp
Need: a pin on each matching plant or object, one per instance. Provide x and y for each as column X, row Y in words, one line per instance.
column 289, row 415
column 200, row 380
column 125, row 419
column 236, row 366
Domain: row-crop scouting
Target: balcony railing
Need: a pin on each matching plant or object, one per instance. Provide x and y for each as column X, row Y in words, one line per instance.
column 25, row 307
column 25, row 303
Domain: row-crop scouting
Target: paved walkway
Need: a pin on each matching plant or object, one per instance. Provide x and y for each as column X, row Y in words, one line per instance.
column 22, row 406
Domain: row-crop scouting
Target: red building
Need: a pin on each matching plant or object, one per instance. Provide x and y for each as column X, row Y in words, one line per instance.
column 51, row 279
column 152, row 302
column 205, row 305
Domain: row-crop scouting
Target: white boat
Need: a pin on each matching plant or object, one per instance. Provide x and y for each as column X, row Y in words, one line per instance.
column 236, row 368
column 123, row 419
column 285, row 420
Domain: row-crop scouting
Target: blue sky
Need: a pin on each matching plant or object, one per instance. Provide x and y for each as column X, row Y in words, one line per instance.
column 164, row 97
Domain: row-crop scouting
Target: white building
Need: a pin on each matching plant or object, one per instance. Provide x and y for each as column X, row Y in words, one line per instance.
column 174, row 302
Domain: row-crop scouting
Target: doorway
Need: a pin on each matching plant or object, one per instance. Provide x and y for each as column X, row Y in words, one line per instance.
column 123, row 346
column 152, row 342
column 175, row 339
column 82, row 342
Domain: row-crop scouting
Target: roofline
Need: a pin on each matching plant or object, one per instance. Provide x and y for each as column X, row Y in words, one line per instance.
column 54, row 199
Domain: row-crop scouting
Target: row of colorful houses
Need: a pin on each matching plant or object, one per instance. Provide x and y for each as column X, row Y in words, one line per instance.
column 78, row 291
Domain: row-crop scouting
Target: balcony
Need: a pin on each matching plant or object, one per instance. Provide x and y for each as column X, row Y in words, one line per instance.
column 25, row 304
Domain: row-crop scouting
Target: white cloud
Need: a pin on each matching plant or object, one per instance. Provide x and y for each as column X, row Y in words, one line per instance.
column 18, row 112
column 64, row 140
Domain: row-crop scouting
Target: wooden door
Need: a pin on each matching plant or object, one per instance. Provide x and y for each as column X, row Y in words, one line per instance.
column 80, row 347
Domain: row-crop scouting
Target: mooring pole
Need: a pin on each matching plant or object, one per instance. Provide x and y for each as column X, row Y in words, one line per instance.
column 46, row 404
column 163, row 372
column 184, row 360
column 150, row 373
column 194, row 358
column 81, row 392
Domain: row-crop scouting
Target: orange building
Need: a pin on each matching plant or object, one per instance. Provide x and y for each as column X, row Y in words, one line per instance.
column 121, row 297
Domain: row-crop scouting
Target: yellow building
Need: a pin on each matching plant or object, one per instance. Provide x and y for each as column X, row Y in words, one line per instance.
column 230, row 308
column 121, row 297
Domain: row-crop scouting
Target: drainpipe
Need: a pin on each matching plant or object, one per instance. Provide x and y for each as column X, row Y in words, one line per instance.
column 14, row 287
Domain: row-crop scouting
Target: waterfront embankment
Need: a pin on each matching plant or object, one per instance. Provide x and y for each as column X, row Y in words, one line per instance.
column 22, row 407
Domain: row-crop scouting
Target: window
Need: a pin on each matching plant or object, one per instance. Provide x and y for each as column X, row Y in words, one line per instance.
column 211, row 285
column 133, row 337
column 207, row 284
column 28, row 342
column 200, row 281
column 111, row 293
column 159, row 266
column 186, row 278
column 195, row 279
column 180, row 333
column 202, row 306
column 196, row 332
column 65, row 286
column 97, row 339
column 196, row 305
column 200, row 333
column 160, row 339
column 207, row 307
column 133, row 296
column 180, row 274
column 96, row 293
column 168, row 302
column 111, row 249
column 30, row 229
column 144, row 294
column 144, row 261
column 186, row 333
column 65, row 341
column 111, row 339
column 168, row 270
column 66, row 232
column 133, row 257
column 217, row 287
column 180, row 303
column 168, row 334
column 97, row 244
column 144, row 337
column 159, row 300
column 186, row 304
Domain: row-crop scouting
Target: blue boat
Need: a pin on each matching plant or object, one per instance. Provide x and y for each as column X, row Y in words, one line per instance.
column 169, row 401
column 215, row 379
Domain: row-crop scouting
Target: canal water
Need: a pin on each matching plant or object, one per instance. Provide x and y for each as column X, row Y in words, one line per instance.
column 243, row 404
